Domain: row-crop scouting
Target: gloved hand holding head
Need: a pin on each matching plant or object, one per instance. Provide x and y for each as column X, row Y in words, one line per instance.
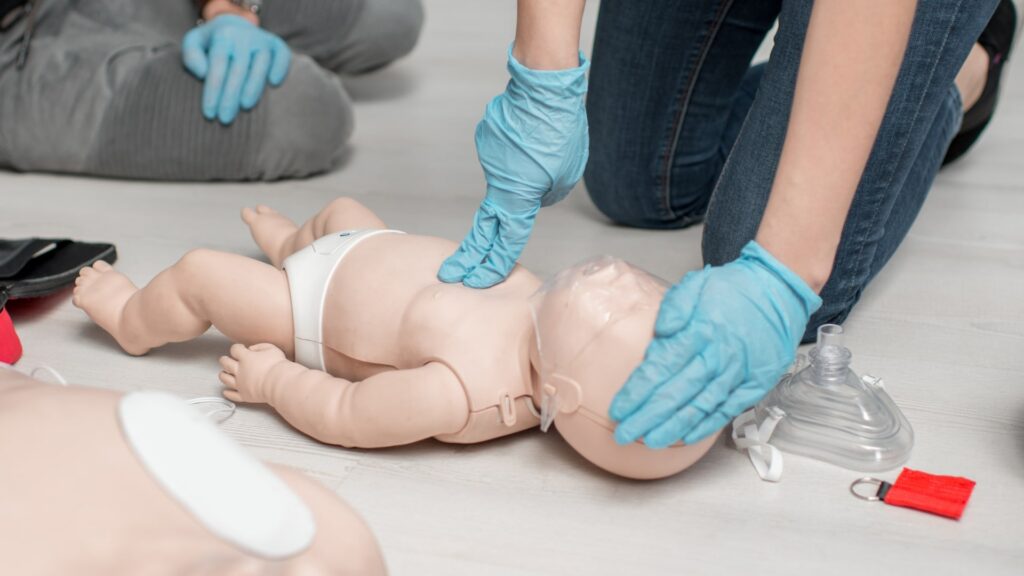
column 724, row 337
column 593, row 322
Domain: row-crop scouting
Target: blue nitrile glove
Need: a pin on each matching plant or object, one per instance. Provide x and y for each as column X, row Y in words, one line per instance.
column 235, row 59
column 723, row 338
column 533, row 144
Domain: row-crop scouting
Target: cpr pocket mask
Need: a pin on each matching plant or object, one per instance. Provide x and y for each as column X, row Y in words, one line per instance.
column 823, row 410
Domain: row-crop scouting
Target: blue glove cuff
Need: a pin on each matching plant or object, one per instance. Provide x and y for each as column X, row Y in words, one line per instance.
column 569, row 83
column 810, row 301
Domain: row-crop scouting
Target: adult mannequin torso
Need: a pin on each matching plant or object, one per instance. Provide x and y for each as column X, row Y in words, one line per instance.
column 78, row 501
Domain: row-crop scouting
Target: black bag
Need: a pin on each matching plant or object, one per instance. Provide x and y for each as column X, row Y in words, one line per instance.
column 34, row 267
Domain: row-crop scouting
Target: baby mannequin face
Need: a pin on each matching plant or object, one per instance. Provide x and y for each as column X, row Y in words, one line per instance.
column 593, row 323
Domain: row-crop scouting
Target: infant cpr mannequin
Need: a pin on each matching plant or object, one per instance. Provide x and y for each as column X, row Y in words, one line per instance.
column 388, row 355
column 84, row 491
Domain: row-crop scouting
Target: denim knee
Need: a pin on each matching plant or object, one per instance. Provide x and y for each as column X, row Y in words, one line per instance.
column 632, row 198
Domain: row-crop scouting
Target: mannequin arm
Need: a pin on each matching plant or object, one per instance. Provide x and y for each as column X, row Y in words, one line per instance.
column 389, row 409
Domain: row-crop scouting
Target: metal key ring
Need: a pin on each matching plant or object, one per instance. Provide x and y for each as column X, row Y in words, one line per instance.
column 865, row 480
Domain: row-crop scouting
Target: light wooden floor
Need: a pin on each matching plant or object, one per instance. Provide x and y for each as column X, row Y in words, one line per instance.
column 943, row 324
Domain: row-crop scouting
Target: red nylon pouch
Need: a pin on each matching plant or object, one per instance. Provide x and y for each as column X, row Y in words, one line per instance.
column 943, row 495
column 10, row 345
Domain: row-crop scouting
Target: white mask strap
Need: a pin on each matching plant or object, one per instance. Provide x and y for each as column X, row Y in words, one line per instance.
column 548, row 410
column 33, row 373
column 48, row 370
column 746, row 435
column 220, row 409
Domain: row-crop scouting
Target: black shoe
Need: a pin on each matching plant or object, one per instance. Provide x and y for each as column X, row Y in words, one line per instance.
column 997, row 39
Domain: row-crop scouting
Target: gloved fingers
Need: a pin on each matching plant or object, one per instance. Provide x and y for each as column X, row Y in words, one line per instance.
column 680, row 303
column 664, row 358
column 706, row 427
column 642, row 381
column 280, row 61
column 689, row 396
column 673, row 428
column 711, row 394
column 472, row 250
column 512, row 235
column 665, row 401
column 741, row 399
column 193, row 51
column 717, row 390
column 257, row 79
column 707, row 402
column 219, row 58
column 231, row 95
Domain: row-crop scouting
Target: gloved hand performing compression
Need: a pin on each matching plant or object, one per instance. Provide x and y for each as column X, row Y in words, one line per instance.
column 235, row 59
column 533, row 145
column 723, row 338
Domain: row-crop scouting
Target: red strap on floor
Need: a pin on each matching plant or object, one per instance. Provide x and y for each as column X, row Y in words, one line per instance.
column 10, row 345
column 942, row 495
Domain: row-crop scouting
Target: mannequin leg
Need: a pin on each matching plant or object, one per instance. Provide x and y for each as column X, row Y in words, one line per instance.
column 245, row 299
column 279, row 237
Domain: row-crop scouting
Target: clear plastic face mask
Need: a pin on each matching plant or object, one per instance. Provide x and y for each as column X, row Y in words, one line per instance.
column 572, row 310
column 825, row 411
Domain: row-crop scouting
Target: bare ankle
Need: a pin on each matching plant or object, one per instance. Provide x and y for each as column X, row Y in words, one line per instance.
column 971, row 79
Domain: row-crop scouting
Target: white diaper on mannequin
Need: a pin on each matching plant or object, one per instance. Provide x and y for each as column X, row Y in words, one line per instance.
column 309, row 273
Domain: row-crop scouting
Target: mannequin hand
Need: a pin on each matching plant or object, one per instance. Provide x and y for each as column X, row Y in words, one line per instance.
column 244, row 372
column 723, row 338
column 533, row 144
column 235, row 59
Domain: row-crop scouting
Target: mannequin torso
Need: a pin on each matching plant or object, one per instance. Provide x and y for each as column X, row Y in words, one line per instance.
column 385, row 310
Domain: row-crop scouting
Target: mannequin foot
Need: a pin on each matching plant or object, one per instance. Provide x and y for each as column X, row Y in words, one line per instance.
column 102, row 293
column 271, row 231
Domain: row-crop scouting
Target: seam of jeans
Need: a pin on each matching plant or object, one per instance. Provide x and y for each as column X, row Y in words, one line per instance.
column 860, row 263
column 684, row 101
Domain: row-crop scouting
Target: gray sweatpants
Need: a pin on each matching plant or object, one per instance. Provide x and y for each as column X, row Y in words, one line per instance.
column 104, row 91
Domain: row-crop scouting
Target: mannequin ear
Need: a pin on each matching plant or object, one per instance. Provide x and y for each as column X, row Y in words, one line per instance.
column 568, row 392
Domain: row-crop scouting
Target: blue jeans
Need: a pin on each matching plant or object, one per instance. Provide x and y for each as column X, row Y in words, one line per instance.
column 683, row 129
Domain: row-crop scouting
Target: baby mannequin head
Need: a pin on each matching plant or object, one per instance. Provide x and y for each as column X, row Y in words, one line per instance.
column 593, row 324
